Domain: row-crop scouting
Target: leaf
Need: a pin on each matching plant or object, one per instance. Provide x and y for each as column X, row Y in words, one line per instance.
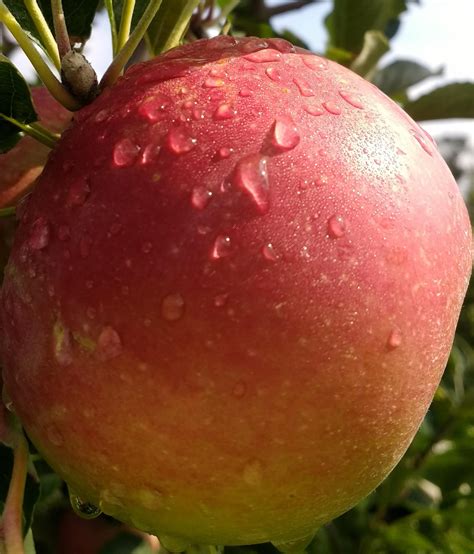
column 350, row 20
column 455, row 100
column 15, row 103
column 402, row 74
column 170, row 24
column 140, row 6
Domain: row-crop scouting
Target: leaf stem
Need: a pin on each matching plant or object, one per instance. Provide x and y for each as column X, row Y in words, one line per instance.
column 44, row 31
column 118, row 63
column 109, row 5
column 60, row 28
column 11, row 522
column 44, row 72
column 35, row 130
column 125, row 23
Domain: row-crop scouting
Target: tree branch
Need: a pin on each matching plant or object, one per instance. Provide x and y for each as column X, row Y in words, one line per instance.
column 286, row 7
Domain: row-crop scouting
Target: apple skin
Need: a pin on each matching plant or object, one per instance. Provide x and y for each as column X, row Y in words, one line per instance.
column 233, row 293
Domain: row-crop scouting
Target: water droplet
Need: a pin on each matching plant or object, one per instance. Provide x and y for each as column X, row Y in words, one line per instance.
column 239, row 389
column 332, row 108
column 172, row 307
column 222, row 247
column 101, row 116
column 40, row 234
column 253, row 472
column 285, row 134
column 295, row 546
column 245, row 92
column 352, row 99
column 180, row 141
column 251, row 177
column 221, row 300
column 198, row 113
column 224, row 111
column 423, row 142
column 91, row 312
column 336, row 227
column 269, row 253
column 154, row 108
column 282, row 45
column 83, row 508
column 314, row 110
column 303, row 87
column 173, row 544
column 150, row 153
column 78, row 193
column 214, row 82
column 147, row 247
column 394, row 339
column 200, row 197
column 274, row 74
column 224, row 152
column 109, row 344
column 314, row 62
column 62, row 344
column 253, row 44
column 321, row 180
column 125, row 153
column 266, row 55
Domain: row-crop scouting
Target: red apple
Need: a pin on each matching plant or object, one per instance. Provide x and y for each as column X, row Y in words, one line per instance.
column 233, row 293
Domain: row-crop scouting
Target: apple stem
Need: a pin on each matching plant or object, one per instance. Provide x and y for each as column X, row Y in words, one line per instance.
column 45, row 74
column 44, row 31
column 34, row 130
column 115, row 68
column 60, row 28
column 125, row 23
column 11, row 524
column 109, row 6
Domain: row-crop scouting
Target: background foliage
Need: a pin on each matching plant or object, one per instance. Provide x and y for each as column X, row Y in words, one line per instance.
column 426, row 506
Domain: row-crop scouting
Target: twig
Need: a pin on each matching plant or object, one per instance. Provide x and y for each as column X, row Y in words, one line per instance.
column 60, row 28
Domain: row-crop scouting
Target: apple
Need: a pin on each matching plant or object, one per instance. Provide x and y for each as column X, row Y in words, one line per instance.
column 232, row 293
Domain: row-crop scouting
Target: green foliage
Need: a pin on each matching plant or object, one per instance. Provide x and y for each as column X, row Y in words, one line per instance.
column 402, row 74
column 451, row 101
column 15, row 104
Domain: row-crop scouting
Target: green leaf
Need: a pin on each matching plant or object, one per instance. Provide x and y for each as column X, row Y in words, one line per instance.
column 79, row 15
column 170, row 24
column 15, row 104
column 350, row 20
column 402, row 74
column 140, row 6
column 455, row 100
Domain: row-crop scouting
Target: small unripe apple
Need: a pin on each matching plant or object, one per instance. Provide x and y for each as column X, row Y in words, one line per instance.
column 233, row 293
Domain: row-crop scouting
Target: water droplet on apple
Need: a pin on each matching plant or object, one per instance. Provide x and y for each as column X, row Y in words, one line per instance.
column 245, row 92
column 125, row 153
column 282, row 45
column 295, row 546
column 224, row 152
column 239, row 389
column 149, row 153
column 40, row 234
column 321, row 180
column 200, row 197
column 91, row 312
column 253, row 472
column 394, row 339
column 154, row 107
column 180, row 141
column 251, row 177
column 336, row 227
column 221, row 300
column 147, row 247
column 253, row 44
column 101, row 116
column 266, row 55
column 173, row 544
column 422, row 142
column 82, row 507
column 78, row 193
column 172, row 307
column 314, row 62
column 273, row 73
column 109, row 344
column 285, row 134
column 352, row 99
column 303, row 87
column 268, row 252
column 332, row 108
column 222, row 247
column 214, row 82
column 224, row 111
column 62, row 344
column 314, row 110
